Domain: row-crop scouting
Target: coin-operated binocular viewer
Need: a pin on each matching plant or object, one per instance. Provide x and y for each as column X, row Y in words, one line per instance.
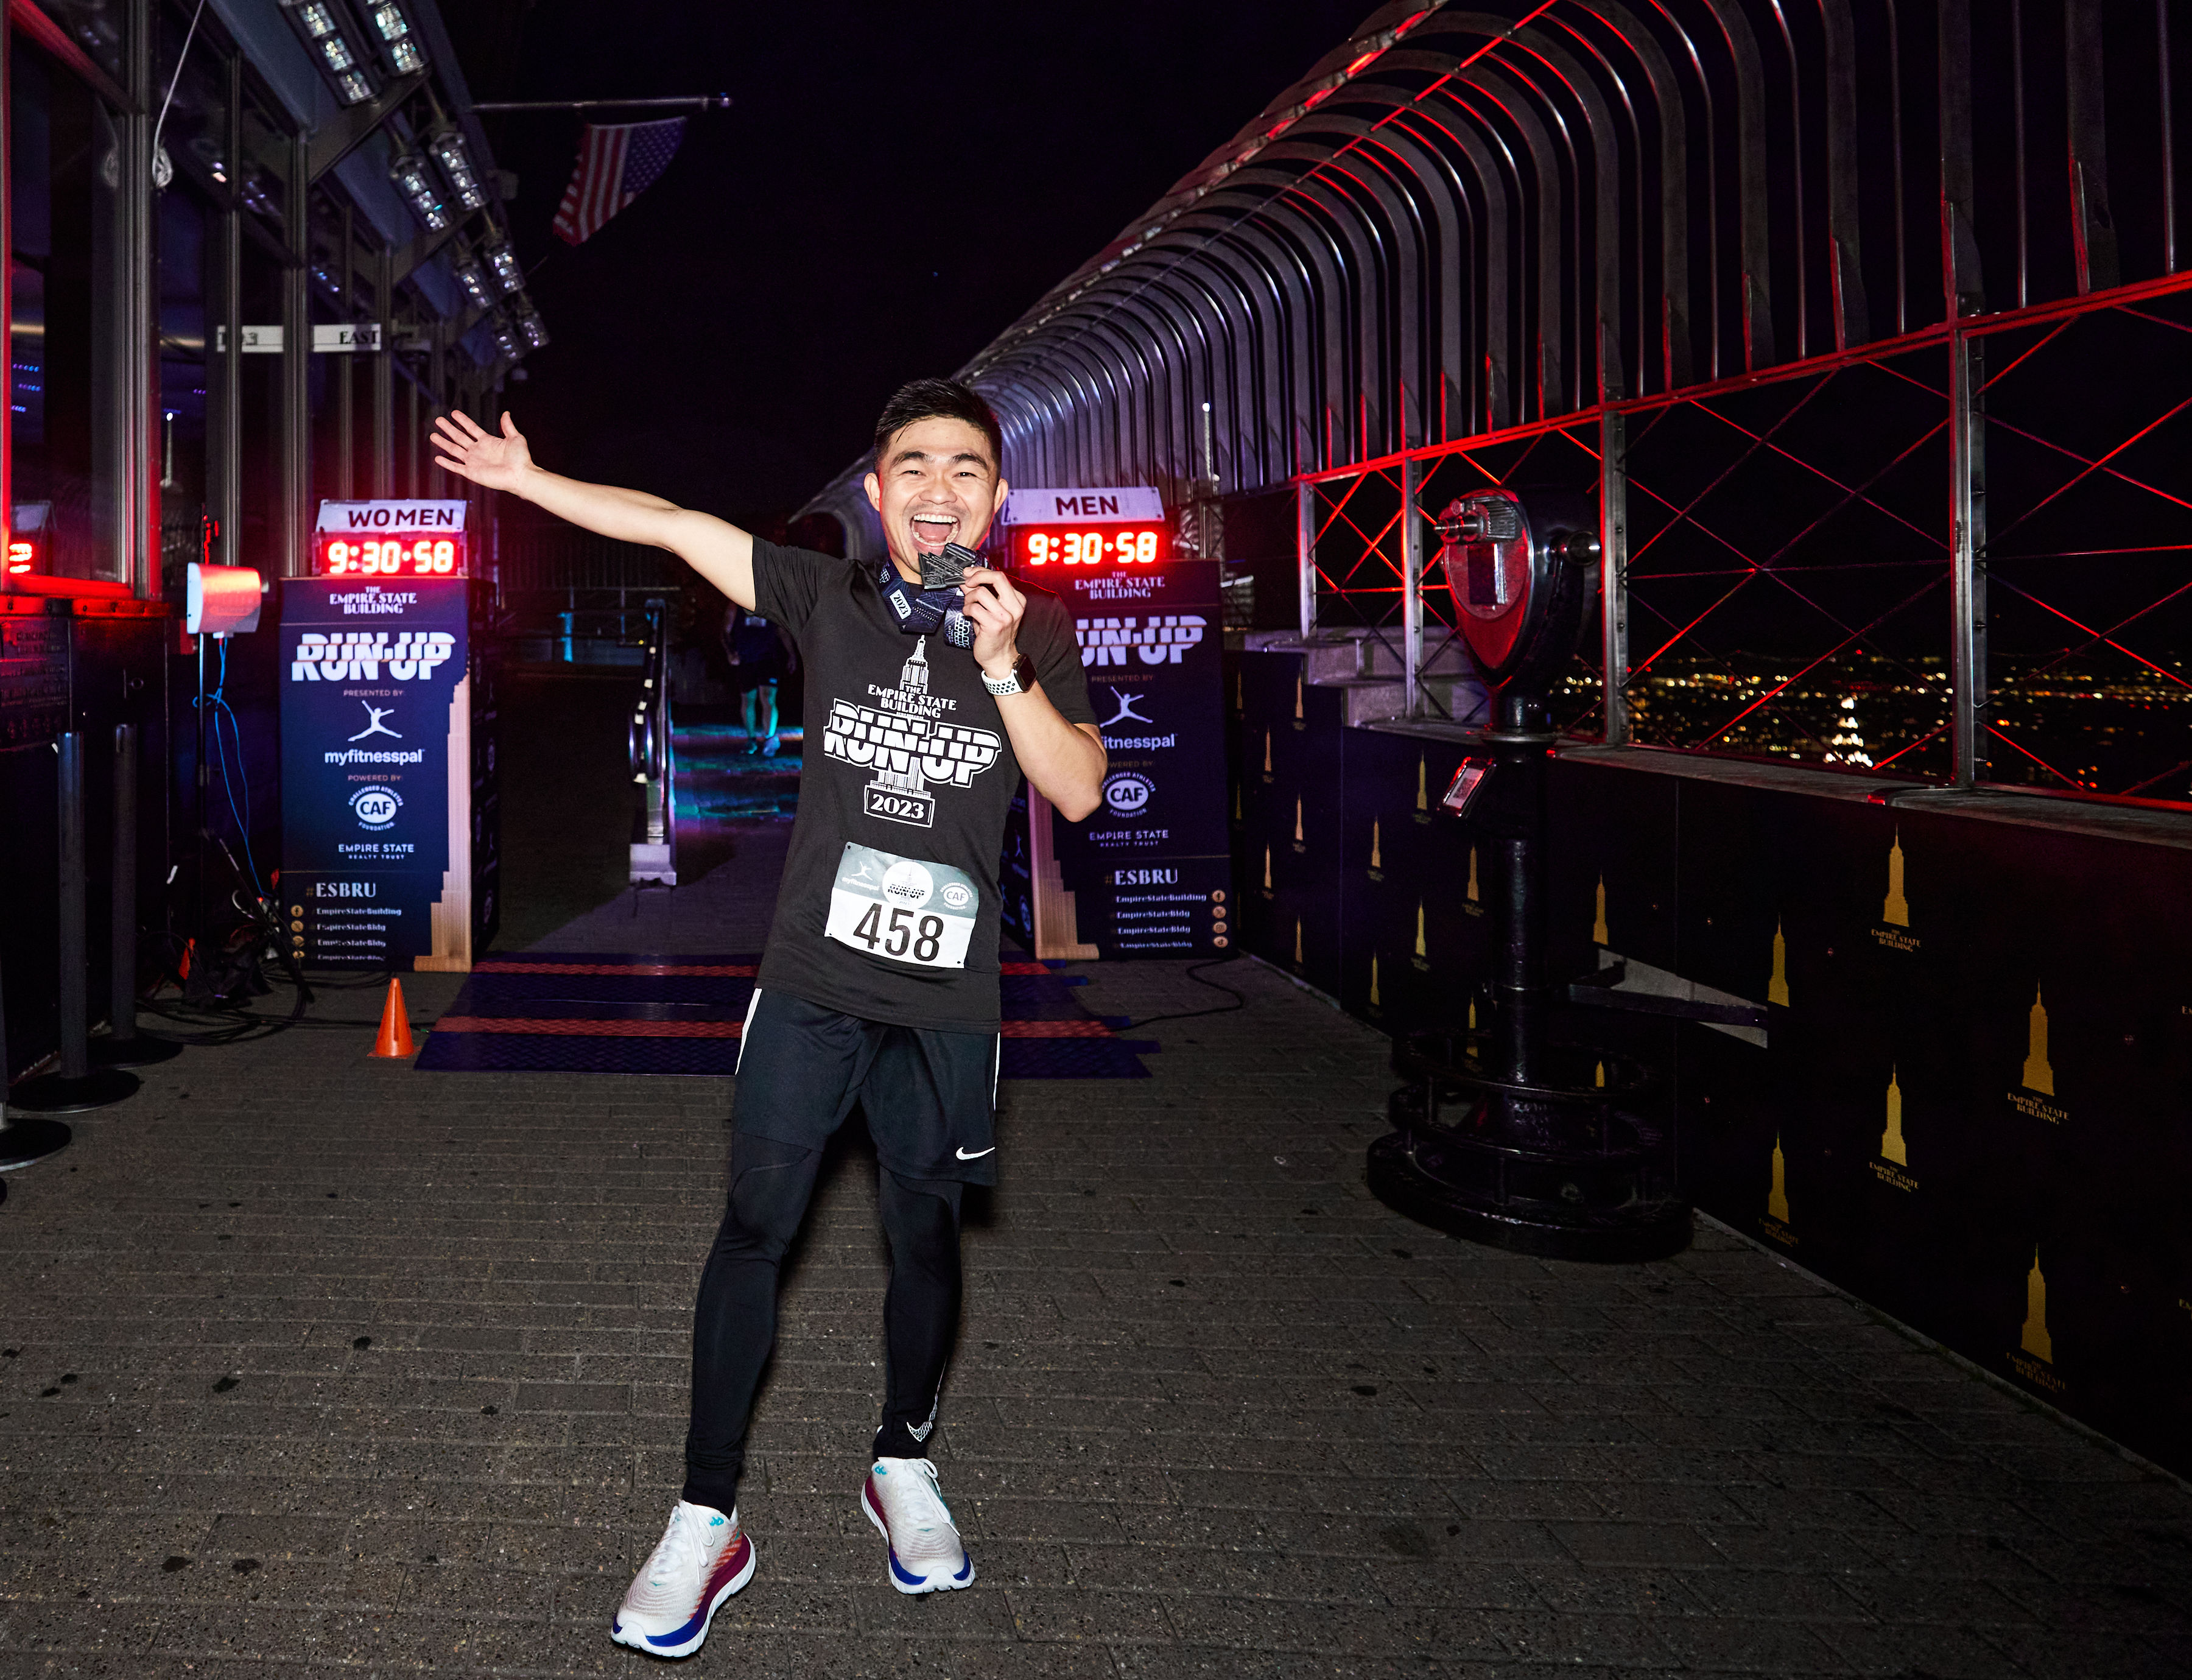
column 1510, row 1134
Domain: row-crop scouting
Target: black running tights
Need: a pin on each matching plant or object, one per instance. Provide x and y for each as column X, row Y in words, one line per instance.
column 734, row 1322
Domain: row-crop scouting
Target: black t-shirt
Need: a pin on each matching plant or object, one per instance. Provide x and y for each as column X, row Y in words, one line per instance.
column 905, row 782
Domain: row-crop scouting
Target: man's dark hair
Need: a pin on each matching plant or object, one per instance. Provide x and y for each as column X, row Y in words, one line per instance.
column 938, row 399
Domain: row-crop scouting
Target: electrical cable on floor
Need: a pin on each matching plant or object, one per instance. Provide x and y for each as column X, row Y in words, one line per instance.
column 1195, row 974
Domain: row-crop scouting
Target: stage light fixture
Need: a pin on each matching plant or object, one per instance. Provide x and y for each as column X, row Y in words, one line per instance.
column 396, row 38
column 473, row 279
column 505, row 341
column 503, row 261
column 326, row 35
column 535, row 331
column 416, row 184
column 448, row 148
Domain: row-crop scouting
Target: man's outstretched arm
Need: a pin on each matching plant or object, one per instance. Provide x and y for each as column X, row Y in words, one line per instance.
column 716, row 549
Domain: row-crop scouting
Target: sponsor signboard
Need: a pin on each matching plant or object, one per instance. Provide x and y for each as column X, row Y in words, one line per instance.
column 376, row 860
column 1150, row 873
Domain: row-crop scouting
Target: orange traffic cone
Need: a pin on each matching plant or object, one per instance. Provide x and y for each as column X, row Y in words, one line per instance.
column 394, row 1039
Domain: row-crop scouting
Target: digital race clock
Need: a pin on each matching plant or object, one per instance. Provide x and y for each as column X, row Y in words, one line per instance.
column 389, row 540
column 1123, row 525
column 1089, row 545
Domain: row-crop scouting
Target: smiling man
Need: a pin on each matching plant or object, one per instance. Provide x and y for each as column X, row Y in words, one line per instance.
column 879, row 984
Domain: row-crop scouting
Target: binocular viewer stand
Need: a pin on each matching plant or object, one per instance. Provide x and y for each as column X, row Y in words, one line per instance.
column 1503, row 1134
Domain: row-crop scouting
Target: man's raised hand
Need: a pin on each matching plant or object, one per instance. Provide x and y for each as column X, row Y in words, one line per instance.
column 462, row 447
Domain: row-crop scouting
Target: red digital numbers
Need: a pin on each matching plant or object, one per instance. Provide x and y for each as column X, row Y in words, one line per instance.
column 1092, row 546
column 405, row 557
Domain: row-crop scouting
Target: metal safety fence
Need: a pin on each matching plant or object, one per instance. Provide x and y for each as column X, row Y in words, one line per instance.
column 1960, row 556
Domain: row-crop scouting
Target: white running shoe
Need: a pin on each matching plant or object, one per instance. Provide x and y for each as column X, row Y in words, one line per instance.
column 927, row 1554
column 703, row 1557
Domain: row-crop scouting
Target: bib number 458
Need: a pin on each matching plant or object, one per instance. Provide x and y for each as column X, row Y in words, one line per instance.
column 923, row 936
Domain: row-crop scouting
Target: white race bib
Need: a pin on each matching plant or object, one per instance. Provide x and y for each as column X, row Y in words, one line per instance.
column 905, row 910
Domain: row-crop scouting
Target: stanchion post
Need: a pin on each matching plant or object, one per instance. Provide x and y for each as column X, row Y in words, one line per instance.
column 124, row 1045
column 75, row 955
column 122, row 992
column 78, row 1086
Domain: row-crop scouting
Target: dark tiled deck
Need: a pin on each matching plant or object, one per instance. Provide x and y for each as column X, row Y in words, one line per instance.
column 313, row 1360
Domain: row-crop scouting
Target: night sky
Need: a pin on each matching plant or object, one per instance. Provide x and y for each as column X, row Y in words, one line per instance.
column 894, row 186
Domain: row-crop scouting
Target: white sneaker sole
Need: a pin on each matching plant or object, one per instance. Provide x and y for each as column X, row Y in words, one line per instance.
column 638, row 1641
column 904, row 1579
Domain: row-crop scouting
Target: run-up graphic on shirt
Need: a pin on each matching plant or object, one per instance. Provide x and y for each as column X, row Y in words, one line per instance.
column 906, row 909
column 903, row 738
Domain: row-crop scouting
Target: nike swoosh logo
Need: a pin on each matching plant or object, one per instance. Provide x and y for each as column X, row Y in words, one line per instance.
column 977, row 1154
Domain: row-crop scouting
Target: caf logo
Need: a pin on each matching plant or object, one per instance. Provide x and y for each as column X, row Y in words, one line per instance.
column 1128, row 793
column 376, row 806
column 956, row 895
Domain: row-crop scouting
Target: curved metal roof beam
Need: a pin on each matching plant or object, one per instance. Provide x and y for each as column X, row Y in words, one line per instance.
column 1249, row 443
column 1234, row 344
column 1103, row 404
column 1563, row 308
column 1495, row 208
column 1852, row 320
column 1422, row 177
column 1129, row 451
column 1201, row 358
column 1407, row 279
column 1060, row 459
column 1074, row 339
column 1478, row 98
column 1371, row 279
column 1141, row 410
column 1754, row 310
column 1176, row 357
column 1664, row 310
column 1033, row 424
column 1293, row 400
column 1324, row 295
column 1548, row 60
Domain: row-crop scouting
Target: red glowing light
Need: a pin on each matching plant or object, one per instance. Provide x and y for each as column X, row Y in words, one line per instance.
column 1089, row 545
column 339, row 554
column 22, row 555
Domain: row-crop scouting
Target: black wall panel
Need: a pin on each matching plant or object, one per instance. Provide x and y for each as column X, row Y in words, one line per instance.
column 1974, row 1106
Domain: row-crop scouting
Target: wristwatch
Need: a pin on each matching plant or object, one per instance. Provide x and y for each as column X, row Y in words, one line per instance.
column 1019, row 680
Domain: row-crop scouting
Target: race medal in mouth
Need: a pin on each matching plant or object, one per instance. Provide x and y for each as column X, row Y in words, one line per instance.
column 903, row 909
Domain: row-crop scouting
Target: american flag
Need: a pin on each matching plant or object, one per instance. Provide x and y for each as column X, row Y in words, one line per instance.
column 617, row 162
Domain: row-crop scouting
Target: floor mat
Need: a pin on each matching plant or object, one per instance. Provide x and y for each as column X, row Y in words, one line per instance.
column 549, row 1012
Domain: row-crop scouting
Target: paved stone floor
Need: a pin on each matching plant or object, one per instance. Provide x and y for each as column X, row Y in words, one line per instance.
column 308, row 1360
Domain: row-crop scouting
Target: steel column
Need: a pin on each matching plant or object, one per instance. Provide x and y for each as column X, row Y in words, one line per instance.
column 7, row 372
column 224, row 387
column 1411, row 585
column 1614, row 571
column 1305, row 553
column 296, row 417
column 136, row 490
column 345, row 377
column 384, row 374
column 1968, row 646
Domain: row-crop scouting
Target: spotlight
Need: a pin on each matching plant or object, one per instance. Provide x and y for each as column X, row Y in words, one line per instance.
column 326, row 34
column 473, row 279
column 530, row 324
column 505, row 341
column 396, row 39
column 503, row 261
column 449, row 150
column 416, row 184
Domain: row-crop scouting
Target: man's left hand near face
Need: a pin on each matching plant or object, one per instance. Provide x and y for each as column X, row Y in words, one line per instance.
column 996, row 608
